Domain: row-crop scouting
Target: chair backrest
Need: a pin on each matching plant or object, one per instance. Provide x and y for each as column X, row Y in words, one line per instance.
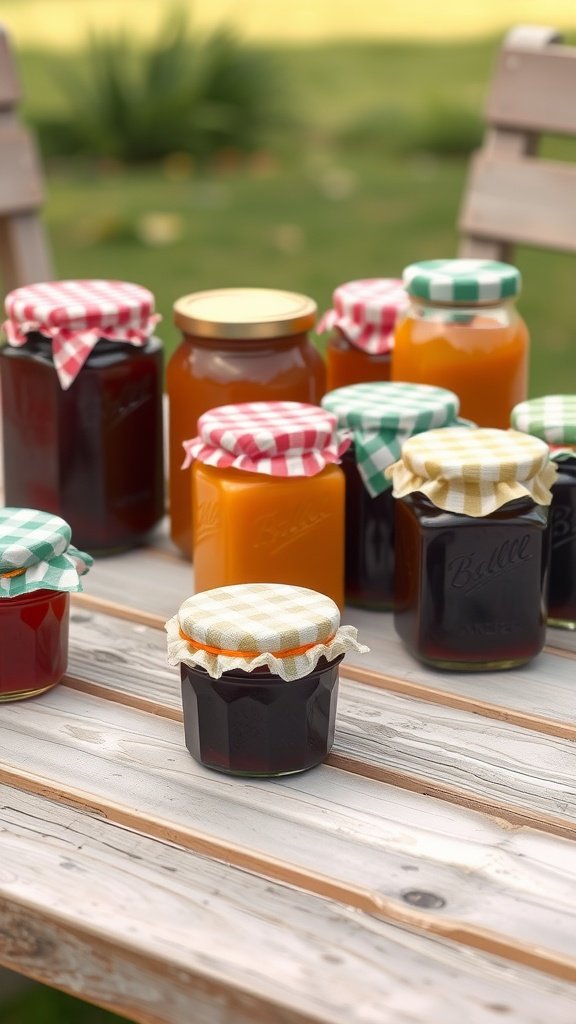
column 513, row 197
column 24, row 254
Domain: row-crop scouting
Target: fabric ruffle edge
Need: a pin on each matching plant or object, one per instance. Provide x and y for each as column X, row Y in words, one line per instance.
column 366, row 337
column 307, row 464
column 487, row 498
column 289, row 669
column 17, row 334
column 60, row 573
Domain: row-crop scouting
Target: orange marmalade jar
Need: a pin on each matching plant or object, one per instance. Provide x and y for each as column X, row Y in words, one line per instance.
column 268, row 497
column 362, row 324
column 463, row 333
column 239, row 345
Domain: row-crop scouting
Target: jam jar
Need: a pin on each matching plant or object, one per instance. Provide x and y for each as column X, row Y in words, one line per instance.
column 38, row 570
column 82, row 406
column 380, row 417
column 462, row 332
column 259, row 669
column 471, row 547
column 268, row 497
column 553, row 419
column 361, row 323
column 239, row 345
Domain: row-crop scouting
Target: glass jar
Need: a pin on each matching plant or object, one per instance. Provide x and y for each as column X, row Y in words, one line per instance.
column 472, row 547
column 362, row 325
column 381, row 416
column 239, row 345
column 268, row 498
column 38, row 569
column 463, row 332
column 82, row 434
column 259, row 668
column 553, row 419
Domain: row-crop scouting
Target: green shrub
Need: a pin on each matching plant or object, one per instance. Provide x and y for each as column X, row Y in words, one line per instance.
column 441, row 129
column 176, row 94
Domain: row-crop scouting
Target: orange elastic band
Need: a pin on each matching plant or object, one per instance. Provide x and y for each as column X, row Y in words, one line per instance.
column 14, row 572
column 293, row 653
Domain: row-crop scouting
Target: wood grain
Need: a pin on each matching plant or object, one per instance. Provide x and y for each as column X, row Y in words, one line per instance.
column 533, row 89
column 245, row 950
column 133, row 768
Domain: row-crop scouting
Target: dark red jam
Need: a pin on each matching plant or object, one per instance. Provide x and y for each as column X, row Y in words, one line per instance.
column 33, row 642
column 255, row 723
column 470, row 592
column 562, row 589
column 91, row 454
column 369, row 572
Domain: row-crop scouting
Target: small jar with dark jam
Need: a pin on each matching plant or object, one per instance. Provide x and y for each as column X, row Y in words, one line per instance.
column 81, row 380
column 553, row 419
column 38, row 570
column 362, row 323
column 472, row 547
column 380, row 416
column 259, row 667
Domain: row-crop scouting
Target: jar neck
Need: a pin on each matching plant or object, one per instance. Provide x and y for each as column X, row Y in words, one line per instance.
column 246, row 344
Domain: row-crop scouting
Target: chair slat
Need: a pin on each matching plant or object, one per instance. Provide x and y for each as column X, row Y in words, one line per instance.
column 534, row 90
column 9, row 83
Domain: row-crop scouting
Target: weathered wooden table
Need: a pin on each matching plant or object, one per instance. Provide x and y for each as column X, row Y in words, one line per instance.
column 425, row 873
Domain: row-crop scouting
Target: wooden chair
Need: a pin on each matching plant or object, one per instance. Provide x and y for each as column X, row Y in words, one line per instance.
column 24, row 254
column 513, row 197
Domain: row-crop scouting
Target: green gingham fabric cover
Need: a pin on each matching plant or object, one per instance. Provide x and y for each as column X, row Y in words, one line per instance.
column 39, row 543
column 382, row 415
column 552, row 418
column 464, row 281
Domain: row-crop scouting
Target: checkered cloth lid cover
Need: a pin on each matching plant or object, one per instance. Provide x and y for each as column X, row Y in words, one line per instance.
column 366, row 311
column 474, row 472
column 36, row 553
column 286, row 629
column 462, row 281
column 553, row 419
column 275, row 438
column 382, row 415
column 76, row 315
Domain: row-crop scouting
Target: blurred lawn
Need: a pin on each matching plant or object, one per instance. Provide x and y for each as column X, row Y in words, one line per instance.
column 307, row 214
column 311, row 211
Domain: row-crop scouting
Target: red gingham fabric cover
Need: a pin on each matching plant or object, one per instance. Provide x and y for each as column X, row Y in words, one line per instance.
column 76, row 314
column 365, row 312
column 275, row 438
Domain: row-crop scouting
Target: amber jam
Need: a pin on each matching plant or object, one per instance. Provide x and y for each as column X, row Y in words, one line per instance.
column 562, row 588
column 347, row 364
column 33, row 643
column 470, row 592
column 369, row 550
column 257, row 724
column 93, row 453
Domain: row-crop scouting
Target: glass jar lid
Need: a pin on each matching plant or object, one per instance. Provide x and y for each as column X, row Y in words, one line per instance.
column 76, row 315
column 276, row 438
column 474, row 472
column 551, row 418
column 466, row 282
column 36, row 553
column 284, row 628
column 237, row 313
column 366, row 312
column 382, row 415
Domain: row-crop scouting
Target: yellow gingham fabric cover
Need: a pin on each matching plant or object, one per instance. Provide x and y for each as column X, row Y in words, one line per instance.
column 474, row 472
column 267, row 618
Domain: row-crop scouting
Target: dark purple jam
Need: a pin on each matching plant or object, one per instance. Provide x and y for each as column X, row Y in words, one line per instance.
column 93, row 453
column 369, row 580
column 257, row 723
column 470, row 592
column 562, row 589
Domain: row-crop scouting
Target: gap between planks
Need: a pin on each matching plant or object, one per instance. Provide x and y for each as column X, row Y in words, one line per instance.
column 502, row 812
column 356, row 897
column 379, row 680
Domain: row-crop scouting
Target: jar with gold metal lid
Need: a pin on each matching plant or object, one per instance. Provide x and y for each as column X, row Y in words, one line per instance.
column 238, row 345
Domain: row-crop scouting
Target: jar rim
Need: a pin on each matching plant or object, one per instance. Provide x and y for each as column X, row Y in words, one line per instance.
column 244, row 313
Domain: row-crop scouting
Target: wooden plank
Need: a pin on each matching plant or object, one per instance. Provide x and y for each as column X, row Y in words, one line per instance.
column 166, row 927
column 534, row 89
column 9, row 84
column 24, row 257
column 528, row 202
column 20, row 176
column 133, row 768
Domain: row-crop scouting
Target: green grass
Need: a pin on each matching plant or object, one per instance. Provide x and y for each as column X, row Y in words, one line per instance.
column 351, row 190
column 45, row 1006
